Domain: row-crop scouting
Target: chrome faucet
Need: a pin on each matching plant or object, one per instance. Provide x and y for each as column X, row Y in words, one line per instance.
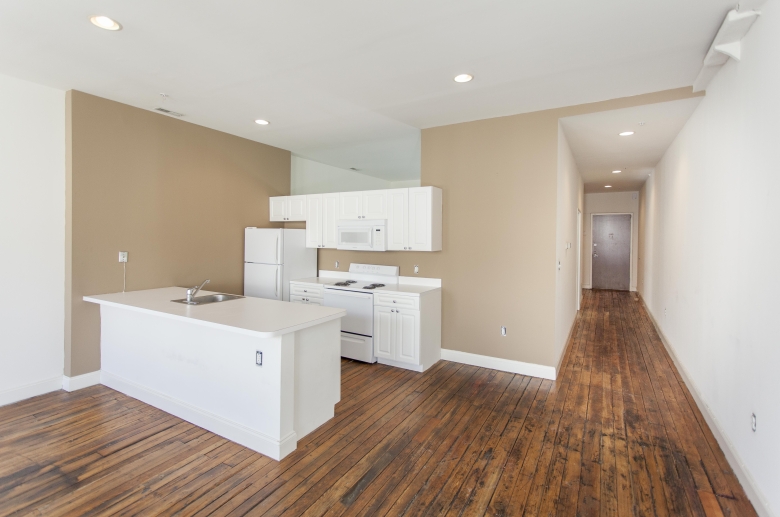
column 192, row 291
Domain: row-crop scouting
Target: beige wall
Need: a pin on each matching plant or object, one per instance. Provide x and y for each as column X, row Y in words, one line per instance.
column 498, row 265
column 175, row 195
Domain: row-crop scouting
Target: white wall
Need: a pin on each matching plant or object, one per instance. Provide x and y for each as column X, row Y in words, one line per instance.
column 611, row 202
column 310, row 177
column 712, row 249
column 32, row 238
column 569, row 200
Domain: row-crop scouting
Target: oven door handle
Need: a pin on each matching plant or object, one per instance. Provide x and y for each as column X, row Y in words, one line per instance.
column 339, row 292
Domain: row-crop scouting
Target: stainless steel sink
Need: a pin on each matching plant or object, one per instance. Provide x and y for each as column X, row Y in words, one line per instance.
column 208, row 298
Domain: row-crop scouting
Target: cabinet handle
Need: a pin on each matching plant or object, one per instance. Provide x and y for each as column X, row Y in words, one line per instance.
column 392, row 310
column 305, row 291
column 393, row 301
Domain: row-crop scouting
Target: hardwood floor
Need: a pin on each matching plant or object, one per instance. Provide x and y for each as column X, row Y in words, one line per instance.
column 617, row 434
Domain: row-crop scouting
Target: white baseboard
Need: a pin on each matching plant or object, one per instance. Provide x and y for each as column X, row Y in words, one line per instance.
column 80, row 382
column 216, row 424
column 496, row 363
column 27, row 391
column 400, row 364
column 756, row 497
column 586, row 286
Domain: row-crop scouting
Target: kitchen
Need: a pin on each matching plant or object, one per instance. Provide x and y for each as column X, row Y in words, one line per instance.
column 274, row 261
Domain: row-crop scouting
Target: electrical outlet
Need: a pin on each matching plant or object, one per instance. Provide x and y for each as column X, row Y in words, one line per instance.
column 122, row 256
column 416, row 269
column 337, row 264
column 259, row 358
column 753, row 422
column 503, row 331
column 664, row 312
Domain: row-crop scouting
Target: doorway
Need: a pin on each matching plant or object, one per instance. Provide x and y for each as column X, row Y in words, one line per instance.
column 611, row 251
column 579, row 258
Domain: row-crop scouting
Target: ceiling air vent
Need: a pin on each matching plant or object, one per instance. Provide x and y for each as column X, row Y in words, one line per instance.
column 169, row 112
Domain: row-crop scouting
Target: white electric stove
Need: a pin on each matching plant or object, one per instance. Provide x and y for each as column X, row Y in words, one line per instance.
column 355, row 295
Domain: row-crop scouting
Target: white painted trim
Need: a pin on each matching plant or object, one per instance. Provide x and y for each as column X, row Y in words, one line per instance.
column 496, row 363
column 760, row 502
column 27, row 391
column 79, row 382
column 631, row 279
column 579, row 260
column 586, row 286
column 233, row 431
column 400, row 364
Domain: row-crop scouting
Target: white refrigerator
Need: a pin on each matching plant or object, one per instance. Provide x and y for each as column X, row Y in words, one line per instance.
column 273, row 257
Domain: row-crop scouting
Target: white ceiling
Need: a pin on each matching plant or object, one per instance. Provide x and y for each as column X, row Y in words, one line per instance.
column 598, row 149
column 351, row 82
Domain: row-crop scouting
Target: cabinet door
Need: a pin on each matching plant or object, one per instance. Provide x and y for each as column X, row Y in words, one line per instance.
column 279, row 208
column 419, row 219
column 375, row 204
column 330, row 212
column 297, row 208
column 384, row 330
column 407, row 336
column 314, row 221
column 350, row 205
column 397, row 219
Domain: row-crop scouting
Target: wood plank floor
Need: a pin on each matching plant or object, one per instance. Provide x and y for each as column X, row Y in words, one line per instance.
column 617, row 434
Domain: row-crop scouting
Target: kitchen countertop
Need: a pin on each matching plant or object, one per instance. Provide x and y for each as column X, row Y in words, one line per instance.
column 254, row 316
column 389, row 288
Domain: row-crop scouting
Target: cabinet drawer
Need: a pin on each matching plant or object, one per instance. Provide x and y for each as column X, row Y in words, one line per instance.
column 308, row 291
column 389, row 300
column 311, row 300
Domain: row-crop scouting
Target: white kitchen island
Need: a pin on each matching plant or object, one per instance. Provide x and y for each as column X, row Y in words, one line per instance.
column 200, row 363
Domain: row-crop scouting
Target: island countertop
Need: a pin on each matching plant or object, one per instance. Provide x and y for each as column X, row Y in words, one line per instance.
column 254, row 316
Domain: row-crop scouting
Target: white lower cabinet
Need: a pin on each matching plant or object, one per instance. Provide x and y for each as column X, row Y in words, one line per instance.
column 408, row 337
column 305, row 300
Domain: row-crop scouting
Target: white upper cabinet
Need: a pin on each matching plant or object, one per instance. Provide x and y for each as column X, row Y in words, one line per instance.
column 321, row 212
column 330, row 209
column 375, row 204
column 288, row 208
column 279, row 208
column 297, row 206
column 314, row 221
column 425, row 219
column 398, row 219
column 413, row 215
column 370, row 204
column 350, row 205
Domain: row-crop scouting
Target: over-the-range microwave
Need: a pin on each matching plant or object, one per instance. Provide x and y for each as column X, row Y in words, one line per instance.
column 363, row 235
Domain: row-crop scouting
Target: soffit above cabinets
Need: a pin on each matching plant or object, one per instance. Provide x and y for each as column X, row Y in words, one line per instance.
column 351, row 83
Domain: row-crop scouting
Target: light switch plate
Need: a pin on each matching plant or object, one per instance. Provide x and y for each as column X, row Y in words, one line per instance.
column 122, row 256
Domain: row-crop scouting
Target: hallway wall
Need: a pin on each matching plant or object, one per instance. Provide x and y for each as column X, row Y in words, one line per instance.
column 710, row 253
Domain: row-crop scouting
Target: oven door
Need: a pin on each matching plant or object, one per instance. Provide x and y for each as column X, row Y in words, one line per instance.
column 359, row 307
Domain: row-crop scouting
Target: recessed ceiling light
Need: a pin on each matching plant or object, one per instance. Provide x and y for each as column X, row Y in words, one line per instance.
column 104, row 22
column 626, row 133
column 607, row 186
column 463, row 78
column 616, row 172
column 262, row 122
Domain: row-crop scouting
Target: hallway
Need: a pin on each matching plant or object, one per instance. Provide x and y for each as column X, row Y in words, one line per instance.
column 617, row 434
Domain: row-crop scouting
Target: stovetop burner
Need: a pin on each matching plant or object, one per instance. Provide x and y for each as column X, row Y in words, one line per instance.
column 345, row 283
column 373, row 286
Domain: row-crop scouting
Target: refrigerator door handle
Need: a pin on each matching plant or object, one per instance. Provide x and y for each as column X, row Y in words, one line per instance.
column 276, row 287
column 277, row 250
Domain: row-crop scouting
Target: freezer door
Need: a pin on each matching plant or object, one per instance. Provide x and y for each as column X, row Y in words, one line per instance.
column 263, row 281
column 264, row 245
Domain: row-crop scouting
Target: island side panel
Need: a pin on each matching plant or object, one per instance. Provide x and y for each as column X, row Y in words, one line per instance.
column 317, row 375
column 204, row 375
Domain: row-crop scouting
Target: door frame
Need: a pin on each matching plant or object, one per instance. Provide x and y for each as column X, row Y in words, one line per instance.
column 631, row 279
column 579, row 258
